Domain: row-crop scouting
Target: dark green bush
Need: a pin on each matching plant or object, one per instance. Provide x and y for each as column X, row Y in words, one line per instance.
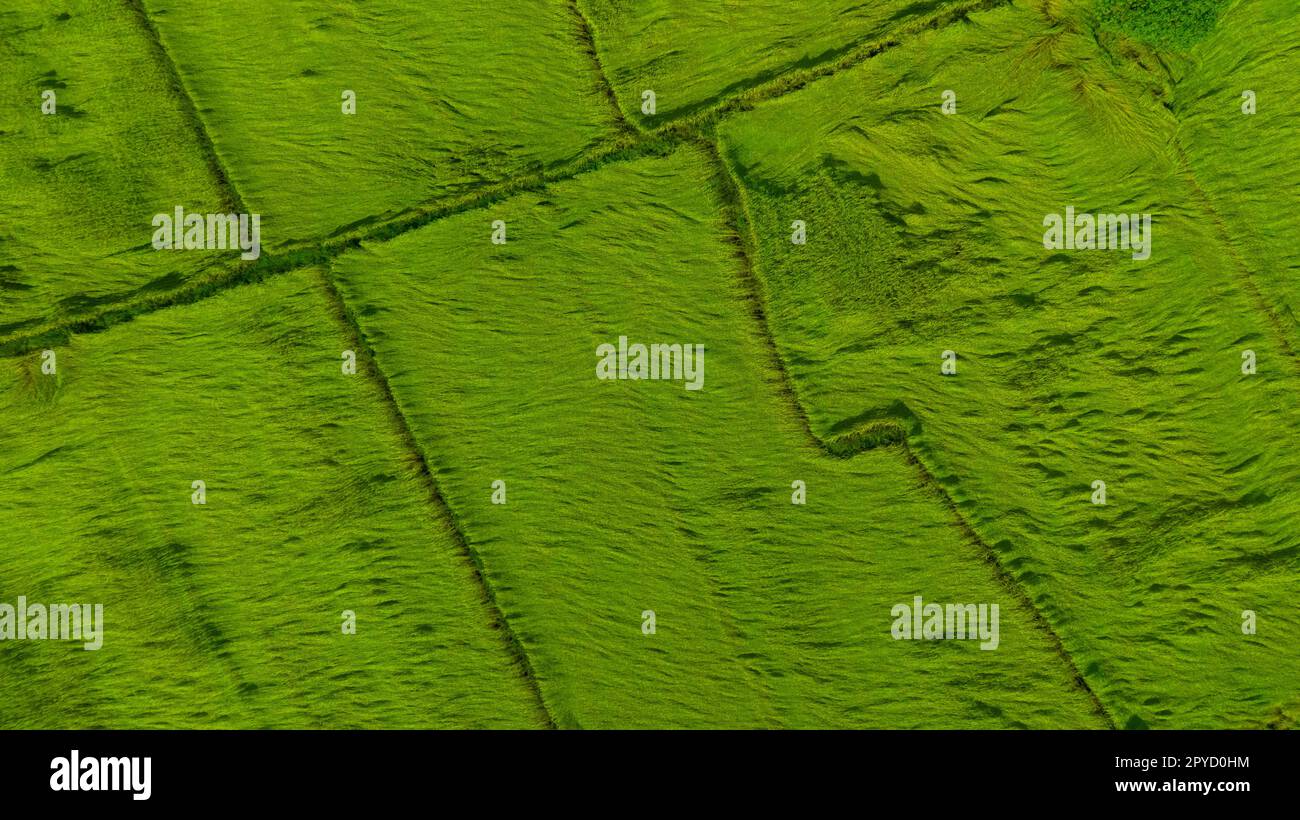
column 1162, row 23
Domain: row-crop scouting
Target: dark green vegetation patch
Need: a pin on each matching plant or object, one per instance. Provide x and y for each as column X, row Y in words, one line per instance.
column 1176, row 23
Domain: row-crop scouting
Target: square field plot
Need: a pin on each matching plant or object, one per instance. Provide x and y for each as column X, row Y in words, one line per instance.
column 623, row 500
column 447, row 96
column 1024, row 374
column 80, row 185
column 230, row 613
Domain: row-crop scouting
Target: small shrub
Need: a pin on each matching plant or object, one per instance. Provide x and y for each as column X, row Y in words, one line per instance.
column 1162, row 23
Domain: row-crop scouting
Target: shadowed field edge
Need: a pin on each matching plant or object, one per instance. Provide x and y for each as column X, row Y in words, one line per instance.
column 189, row 111
column 745, row 95
column 442, row 510
column 587, row 37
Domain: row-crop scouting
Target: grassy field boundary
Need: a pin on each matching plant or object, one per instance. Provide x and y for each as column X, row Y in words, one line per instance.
column 189, row 111
column 587, row 37
column 304, row 255
column 761, row 88
column 441, row 509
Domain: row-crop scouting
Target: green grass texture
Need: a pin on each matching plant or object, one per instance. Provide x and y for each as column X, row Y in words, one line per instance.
column 397, row 415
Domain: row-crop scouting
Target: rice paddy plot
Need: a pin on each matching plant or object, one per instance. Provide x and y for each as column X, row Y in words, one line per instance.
column 333, row 117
